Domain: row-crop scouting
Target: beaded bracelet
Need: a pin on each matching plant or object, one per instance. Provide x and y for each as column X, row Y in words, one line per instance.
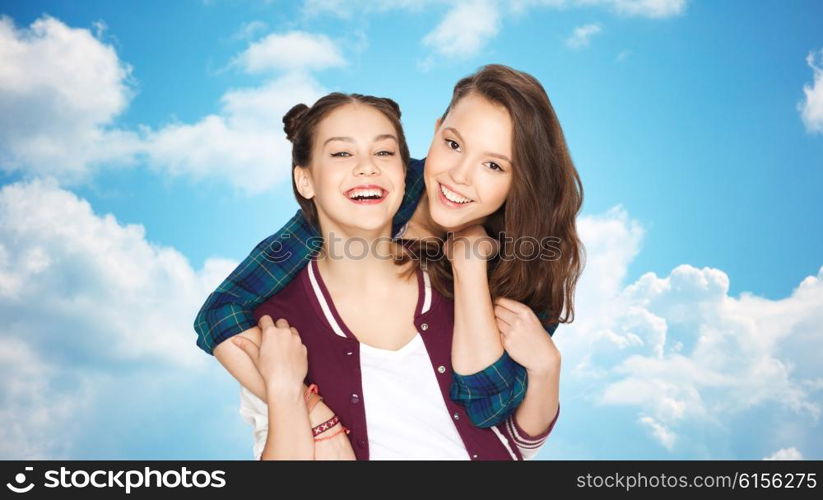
column 342, row 429
column 328, row 424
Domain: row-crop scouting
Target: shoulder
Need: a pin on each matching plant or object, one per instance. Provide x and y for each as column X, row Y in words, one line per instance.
column 440, row 304
column 292, row 296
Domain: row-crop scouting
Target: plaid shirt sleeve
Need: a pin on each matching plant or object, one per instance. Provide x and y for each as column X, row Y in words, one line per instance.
column 272, row 265
column 493, row 394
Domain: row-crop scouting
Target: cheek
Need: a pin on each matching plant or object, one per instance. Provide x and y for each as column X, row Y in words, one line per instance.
column 436, row 164
column 495, row 192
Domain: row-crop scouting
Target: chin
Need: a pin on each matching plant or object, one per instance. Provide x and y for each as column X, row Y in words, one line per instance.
column 370, row 223
column 448, row 221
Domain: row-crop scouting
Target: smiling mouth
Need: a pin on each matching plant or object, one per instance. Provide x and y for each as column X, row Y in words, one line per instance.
column 366, row 195
column 451, row 198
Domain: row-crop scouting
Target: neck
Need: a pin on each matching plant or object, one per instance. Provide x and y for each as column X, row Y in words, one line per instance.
column 358, row 258
column 421, row 223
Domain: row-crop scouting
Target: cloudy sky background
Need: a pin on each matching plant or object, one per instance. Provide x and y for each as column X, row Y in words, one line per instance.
column 142, row 156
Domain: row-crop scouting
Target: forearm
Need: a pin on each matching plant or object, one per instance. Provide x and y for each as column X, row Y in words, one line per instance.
column 289, row 435
column 242, row 368
column 540, row 405
column 238, row 364
column 476, row 342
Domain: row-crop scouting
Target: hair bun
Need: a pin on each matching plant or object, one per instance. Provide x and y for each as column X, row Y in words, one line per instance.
column 292, row 120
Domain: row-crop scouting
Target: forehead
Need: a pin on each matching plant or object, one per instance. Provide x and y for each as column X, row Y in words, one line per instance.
column 482, row 122
column 355, row 120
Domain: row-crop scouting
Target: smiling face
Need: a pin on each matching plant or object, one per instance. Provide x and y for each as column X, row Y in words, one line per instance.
column 356, row 177
column 468, row 171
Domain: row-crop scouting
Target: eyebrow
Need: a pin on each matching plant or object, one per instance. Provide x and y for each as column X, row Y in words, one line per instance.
column 495, row 155
column 349, row 139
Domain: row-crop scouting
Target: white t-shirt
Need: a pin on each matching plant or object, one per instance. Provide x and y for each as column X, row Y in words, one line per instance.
column 405, row 412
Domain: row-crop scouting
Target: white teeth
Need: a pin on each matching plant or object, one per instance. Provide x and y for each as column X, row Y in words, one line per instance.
column 452, row 196
column 366, row 193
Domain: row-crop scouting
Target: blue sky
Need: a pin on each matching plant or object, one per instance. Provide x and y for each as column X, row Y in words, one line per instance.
column 697, row 128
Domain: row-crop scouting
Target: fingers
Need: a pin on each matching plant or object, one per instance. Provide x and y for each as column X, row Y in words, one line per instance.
column 505, row 314
column 247, row 346
column 503, row 327
column 512, row 305
column 265, row 322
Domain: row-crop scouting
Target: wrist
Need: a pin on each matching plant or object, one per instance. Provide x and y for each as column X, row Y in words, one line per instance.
column 469, row 267
column 545, row 370
column 284, row 393
column 320, row 413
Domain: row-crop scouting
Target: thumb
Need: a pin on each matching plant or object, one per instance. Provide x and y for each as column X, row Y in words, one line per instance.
column 247, row 346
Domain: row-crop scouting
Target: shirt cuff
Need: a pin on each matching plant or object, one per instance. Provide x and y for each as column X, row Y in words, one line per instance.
column 494, row 379
column 232, row 322
column 526, row 440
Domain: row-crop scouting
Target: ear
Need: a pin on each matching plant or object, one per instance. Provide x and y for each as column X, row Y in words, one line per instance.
column 302, row 179
column 437, row 125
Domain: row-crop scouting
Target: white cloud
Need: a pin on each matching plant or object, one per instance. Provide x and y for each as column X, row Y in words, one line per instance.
column 349, row 8
column 683, row 360
column 811, row 108
column 659, row 431
column 61, row 89
column 581, row 36
column 291, row 51
column 85, row 299
column 641, row 8
column 249, row 30
column 786, row 454
column 469, row 25
column 465, row 29
column 75, row 282
column 244, row 144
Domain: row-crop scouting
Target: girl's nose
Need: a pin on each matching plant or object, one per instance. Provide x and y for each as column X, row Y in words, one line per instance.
column 366, row 167
column 461, row 173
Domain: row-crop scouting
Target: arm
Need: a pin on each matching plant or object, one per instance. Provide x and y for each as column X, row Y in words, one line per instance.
column 487, row 382
column 476, row 343
column 241, row 366
column 525, row 339
column 289, row 436
column 270, row 266
column 282, row 363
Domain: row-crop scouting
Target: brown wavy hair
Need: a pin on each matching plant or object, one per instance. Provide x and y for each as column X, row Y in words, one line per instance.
column 300, row 124
column 542, row 205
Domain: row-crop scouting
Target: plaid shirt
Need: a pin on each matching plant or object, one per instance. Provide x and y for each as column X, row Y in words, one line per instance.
column 489, row 396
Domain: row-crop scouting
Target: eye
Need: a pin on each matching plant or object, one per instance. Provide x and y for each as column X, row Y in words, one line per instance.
column 452, row 145
column 385, row 153
column 494, row 166
column 341, row 154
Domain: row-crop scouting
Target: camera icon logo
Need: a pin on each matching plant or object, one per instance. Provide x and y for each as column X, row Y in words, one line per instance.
column 20, row 478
